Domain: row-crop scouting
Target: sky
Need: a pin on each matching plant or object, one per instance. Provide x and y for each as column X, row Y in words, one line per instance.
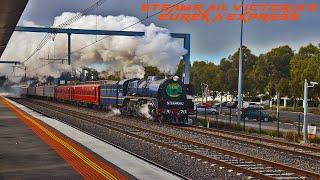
column 209, row 42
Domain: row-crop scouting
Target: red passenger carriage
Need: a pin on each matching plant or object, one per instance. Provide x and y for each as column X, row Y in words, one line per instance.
column 86, row 93
column 63, row 92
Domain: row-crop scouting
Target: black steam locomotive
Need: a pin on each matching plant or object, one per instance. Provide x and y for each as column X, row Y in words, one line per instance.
column 167, row 98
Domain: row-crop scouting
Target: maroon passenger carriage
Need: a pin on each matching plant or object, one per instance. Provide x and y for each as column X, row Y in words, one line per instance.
column 88, row 94
column 63, row 93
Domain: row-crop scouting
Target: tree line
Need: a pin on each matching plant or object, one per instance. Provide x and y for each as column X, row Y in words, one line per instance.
column 279, row 70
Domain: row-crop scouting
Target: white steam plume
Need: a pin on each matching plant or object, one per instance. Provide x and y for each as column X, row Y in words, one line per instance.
column 144, row 110
column 126, row 55
column 115, row 111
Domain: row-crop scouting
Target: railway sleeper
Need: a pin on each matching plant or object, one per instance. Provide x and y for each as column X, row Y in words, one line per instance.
column 227, row 157
column 216, row 156
column 281, row 176
column 192, row 148
column 134, row 131
column 246, row 165
column 304, row 151
column 259, row 167
column 266, row 171
column 287, row 174
column 232, row 161
column 287, row 178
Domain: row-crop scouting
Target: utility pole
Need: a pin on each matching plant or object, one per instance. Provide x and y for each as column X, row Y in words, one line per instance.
column 240, row 72
column 22, row 67
column 220, row 109
column 25, row 73
column 207, row 92
column 201, row 93
column 305, row 111
column 278, row 114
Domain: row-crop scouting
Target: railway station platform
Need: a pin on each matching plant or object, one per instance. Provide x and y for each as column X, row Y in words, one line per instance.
column 38, row 147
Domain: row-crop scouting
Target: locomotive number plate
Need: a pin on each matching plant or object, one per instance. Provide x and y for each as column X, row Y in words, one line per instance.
column 173, row 103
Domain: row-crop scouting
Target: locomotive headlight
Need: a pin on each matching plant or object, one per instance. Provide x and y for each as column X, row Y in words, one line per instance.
column 175, row 78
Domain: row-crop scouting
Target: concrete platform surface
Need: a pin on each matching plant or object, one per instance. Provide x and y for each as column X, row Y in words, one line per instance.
column 81, row 162
column 134, row 166
column 24, row 156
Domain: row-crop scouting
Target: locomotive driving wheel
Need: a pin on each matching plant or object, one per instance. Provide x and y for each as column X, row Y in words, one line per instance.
column 153, row 113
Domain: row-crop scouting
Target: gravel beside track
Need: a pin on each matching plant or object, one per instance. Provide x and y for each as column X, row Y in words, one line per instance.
column 180, row 163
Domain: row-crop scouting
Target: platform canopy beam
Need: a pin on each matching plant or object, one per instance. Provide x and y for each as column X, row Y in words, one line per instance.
column 184, row 36
column 10, row 62
column 10, row 13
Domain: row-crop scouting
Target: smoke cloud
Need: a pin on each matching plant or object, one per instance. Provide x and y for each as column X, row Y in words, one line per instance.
column 144, row 110
column 126, row 55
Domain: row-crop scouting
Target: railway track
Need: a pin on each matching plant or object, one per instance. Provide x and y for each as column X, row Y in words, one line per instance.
column 249, row 165
column 292, row 148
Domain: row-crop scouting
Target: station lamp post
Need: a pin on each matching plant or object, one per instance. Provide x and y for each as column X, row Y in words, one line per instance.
column 305, row 105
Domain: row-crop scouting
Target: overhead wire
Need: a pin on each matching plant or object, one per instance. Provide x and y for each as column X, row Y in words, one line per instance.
column 122, row 29
column 127, row 27
column 50, row 36
column 75, row 18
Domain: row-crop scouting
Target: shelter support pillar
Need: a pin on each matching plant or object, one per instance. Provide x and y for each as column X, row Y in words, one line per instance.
column 69, row 48
column 186, row 58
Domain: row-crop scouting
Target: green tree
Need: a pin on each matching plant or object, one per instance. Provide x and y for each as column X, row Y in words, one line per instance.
column 114, row 77
column 180, row 69
column 305, row 65
column 308, row 51
column 152, row 71
column 91, row 74
column 202, row 72
column 261, row 75
column 279, row 70
column 227, row 77
column 249, row 60
column 273, row 69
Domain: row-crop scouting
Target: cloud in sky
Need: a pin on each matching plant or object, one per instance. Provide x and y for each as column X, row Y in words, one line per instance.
column 127, row 55
column 208, row 41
